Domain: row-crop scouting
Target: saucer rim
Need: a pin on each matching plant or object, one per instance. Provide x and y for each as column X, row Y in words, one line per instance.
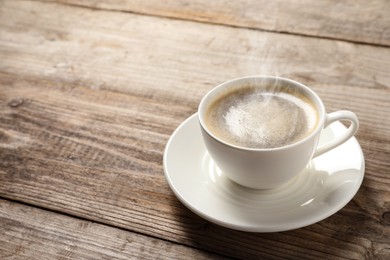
column 258, row 228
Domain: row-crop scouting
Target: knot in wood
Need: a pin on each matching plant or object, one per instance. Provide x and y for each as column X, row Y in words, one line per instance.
column 386, row 218
column 15, row 102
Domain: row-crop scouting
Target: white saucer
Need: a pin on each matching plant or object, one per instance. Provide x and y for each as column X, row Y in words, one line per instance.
column 327, row 184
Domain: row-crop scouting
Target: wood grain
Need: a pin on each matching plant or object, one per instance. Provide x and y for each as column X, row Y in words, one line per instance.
column 107, row 50
column 356, row 21
column 89, row 99
column 32, row 233
column 95, row 171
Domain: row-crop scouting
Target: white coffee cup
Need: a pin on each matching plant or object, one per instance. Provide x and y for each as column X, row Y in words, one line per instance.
column 265, row 168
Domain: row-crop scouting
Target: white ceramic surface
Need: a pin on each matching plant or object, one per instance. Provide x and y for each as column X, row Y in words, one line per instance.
column 256, row 167
column 326, row 185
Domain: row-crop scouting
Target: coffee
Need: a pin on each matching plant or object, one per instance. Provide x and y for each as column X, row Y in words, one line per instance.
column 255, row 117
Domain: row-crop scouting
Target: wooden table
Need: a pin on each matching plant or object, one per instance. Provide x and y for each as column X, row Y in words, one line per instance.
column 90, row 92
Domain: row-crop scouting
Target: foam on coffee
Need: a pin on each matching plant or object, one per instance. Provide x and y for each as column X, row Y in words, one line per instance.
column 260, row 118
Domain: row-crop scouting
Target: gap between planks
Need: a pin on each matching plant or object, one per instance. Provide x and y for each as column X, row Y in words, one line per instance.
column 107, row 224
column 211, row 23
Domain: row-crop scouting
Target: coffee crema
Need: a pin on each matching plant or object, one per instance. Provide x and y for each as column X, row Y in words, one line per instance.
column 259, row 118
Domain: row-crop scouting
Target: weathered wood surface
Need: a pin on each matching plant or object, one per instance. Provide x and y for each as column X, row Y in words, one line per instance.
column 89, row 98
column 31, row 233
column 55, row 156
column 353, row 20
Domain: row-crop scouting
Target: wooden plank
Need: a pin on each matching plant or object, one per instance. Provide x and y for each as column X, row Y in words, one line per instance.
column 32, row 233
column 176, row 59
column 356, row 21
column 57, row 158
column 87, row 105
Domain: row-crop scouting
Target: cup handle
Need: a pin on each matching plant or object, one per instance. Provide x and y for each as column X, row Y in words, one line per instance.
column 352, row 129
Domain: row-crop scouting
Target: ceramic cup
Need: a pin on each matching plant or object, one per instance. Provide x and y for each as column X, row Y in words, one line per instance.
column 270, row 168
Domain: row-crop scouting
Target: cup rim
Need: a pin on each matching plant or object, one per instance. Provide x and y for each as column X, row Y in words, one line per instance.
column 318, row 102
